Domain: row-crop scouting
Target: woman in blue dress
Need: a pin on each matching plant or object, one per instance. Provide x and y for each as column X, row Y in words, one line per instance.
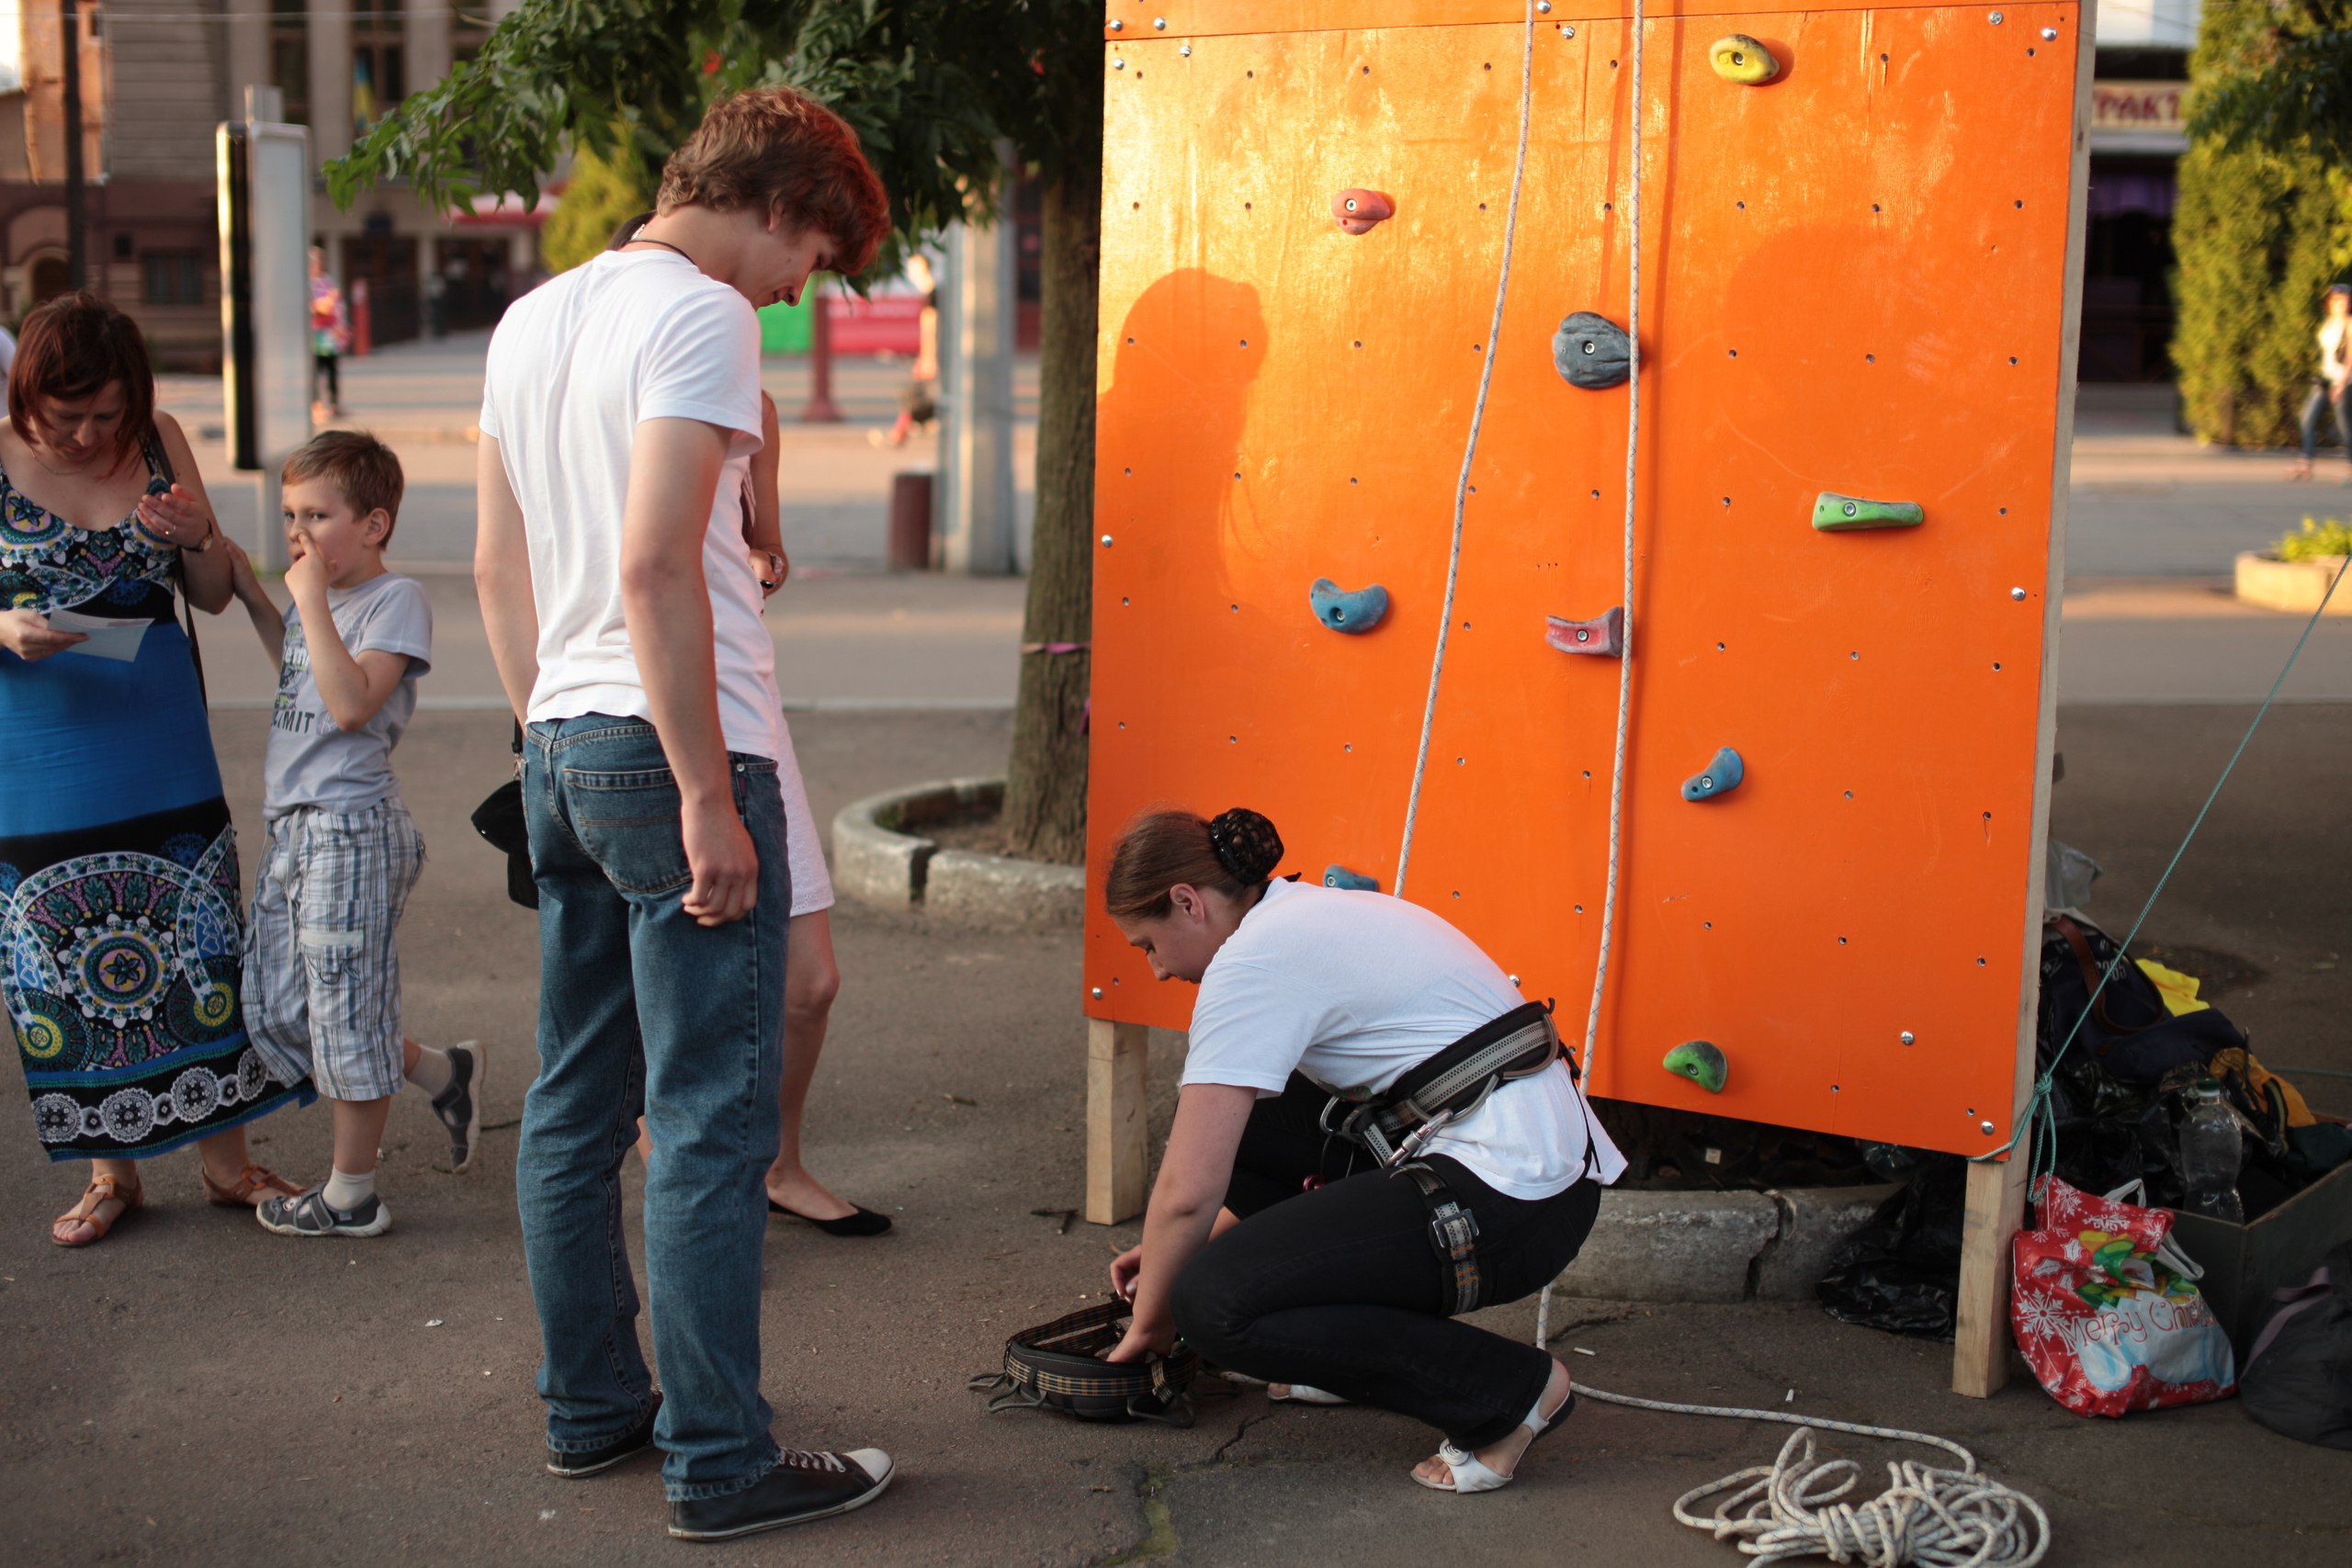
column 119, row 925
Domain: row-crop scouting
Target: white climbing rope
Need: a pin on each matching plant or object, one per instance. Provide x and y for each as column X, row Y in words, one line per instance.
column 1470, row 448
column 1625, row 653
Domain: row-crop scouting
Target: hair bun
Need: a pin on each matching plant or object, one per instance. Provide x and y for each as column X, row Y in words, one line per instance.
column 1246, row 845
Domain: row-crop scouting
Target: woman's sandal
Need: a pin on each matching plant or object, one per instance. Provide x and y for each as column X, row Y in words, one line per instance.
column 102, row 1190
column 253, row 1183
column 1467, row 1474
column 1300, row 1393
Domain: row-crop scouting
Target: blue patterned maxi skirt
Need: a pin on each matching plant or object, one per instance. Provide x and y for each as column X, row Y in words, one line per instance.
column 120, row 912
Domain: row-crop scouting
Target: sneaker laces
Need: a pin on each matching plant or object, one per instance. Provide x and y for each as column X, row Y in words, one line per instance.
column 809, row 1458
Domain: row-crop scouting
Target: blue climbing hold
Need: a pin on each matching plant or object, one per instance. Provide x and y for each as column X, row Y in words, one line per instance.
column 1348, row 610
column 1723, row 775
column 1353, row 881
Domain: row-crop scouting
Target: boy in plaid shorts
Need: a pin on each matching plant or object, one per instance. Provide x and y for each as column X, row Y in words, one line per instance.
column 322, row 980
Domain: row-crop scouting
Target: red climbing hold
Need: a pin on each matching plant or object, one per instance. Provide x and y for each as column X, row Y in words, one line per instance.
column 1357, row 211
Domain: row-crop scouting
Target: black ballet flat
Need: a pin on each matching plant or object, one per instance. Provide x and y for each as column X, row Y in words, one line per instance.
column 864, row 1222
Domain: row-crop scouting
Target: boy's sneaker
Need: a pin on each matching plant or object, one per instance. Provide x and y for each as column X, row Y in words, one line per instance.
column 459, row 1105
column 311, row 1215
column 802, row 1486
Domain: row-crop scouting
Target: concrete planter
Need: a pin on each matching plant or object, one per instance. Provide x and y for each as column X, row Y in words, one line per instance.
column 2296, row 585
column 1717, row 1246
column 882, row 856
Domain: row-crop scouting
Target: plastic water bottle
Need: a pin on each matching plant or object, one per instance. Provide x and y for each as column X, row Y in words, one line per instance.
column 2210, row 1152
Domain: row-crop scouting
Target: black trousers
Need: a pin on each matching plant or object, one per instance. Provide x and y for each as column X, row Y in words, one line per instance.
column 1339, row 1287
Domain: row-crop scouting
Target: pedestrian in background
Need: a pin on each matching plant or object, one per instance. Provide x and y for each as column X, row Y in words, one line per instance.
column 119, row 914
column 330, row 337
column 2327, row 387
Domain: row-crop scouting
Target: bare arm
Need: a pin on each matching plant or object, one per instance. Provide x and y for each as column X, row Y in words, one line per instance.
column 184, row 514
column 352, row 688
column 673, row 474
column 1187, row 1198
column 510, row 615
column 269, row 621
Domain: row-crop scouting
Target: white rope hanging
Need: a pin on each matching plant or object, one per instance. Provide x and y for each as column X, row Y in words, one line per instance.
column 1470, row 449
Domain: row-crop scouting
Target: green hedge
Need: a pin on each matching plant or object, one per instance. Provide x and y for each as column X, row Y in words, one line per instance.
column 2258, row 235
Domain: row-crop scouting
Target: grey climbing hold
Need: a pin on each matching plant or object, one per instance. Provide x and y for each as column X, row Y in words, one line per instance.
column 1353, row 881
column 1723, row 775
column 1592, row 352
column 1835, row 513
column 1603, row 635
column 1348, row 610
column 1701, row 1062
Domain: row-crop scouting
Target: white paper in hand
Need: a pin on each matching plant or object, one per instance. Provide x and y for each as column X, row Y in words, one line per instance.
column 109, row 637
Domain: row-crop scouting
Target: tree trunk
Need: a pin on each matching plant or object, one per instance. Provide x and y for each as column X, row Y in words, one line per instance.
column 1045, row 793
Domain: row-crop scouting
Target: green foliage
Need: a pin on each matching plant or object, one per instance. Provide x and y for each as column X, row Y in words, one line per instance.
column 933, row 89
column 2317, row 541
column 2257, row 231
column 2294, row 91
column 602, row 194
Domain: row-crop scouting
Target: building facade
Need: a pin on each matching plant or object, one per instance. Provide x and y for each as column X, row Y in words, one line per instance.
column 158, row 77
column 2139, row 82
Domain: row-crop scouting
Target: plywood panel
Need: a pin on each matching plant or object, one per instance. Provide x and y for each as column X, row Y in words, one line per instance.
column 1852, row 281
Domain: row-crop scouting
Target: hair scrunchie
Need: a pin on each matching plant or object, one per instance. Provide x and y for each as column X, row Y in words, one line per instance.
column 1246, row 845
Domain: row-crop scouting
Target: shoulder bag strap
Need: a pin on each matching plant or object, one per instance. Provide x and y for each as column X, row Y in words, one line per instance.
column 159, row 462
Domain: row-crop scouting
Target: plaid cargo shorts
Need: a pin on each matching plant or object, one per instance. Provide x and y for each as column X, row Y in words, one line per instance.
column 322, row 970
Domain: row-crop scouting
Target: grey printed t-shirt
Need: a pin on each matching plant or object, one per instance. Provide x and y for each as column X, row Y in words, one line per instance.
column 311, row 761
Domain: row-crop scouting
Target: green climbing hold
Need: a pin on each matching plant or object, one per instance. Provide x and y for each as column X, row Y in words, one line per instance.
column 1738, row 58
column 1700, row 1063
column 1835, row 513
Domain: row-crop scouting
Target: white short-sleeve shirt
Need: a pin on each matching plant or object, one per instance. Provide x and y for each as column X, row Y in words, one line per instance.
column 1351, row 989
column 575, row 367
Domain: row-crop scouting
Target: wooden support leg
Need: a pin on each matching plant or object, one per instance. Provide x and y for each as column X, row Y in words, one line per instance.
column 1117, row 1137
column 1979, row 1357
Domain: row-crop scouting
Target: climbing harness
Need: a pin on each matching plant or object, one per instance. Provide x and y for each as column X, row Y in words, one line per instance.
column 1454, row 1233
column 1059, row 1366
column 1394, row 1123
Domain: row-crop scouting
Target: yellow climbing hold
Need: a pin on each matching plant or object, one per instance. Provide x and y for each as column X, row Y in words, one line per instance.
column 1739, row 58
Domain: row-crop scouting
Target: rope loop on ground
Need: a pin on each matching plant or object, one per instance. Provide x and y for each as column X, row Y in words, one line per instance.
column 1795, row 1507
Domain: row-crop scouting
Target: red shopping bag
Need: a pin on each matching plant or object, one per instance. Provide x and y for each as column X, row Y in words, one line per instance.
column 2106, row 1310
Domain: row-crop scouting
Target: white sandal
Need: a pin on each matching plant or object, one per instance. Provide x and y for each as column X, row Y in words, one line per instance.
column 1465, row 1474
column 1301, row 1393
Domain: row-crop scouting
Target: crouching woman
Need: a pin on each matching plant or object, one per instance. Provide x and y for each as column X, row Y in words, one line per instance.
column 1375, row 1134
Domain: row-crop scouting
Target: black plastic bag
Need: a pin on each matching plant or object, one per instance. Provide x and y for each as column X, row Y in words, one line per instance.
column 2298, row 1381
column 1901, row 1272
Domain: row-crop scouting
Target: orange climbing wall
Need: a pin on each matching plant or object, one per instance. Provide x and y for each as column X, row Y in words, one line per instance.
column 1853, row 280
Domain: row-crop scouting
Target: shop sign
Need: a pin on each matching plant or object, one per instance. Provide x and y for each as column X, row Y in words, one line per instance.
column 2139, row 108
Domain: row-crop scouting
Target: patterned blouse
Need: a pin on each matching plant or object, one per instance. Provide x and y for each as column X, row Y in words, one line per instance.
column 47, row 563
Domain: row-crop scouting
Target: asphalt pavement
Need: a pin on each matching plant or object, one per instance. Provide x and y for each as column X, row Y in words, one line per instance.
column 194, row 1389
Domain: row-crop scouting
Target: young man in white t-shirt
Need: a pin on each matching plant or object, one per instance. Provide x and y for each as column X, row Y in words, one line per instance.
column 621, row 404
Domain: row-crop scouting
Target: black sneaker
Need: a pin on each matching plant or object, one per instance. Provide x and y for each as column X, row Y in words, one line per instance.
column 311, row 1215
column 802, row 1486
column 574, row 1464
column 459, row 1105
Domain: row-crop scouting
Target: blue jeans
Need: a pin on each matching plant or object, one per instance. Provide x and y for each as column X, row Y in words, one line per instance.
column 2340, row 410
column 642, row 1009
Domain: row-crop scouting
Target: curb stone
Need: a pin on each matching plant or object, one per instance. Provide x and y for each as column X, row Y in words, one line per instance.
column 881, row 856
column 1717, row 1246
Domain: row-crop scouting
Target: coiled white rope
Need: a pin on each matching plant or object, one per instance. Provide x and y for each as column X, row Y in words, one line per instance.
column 1470, row 448
column 1939, row 1518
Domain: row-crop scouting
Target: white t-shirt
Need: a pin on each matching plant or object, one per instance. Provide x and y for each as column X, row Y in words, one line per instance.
column 575, row 367
column 1351, row 989
column 2333, row 367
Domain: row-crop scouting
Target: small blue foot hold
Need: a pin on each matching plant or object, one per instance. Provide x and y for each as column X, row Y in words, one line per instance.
column 1699, row 1062
column 1723, row 776
column 1603, row 635
column 1348, row 610
column 1353, row 881
column 1592, row 352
